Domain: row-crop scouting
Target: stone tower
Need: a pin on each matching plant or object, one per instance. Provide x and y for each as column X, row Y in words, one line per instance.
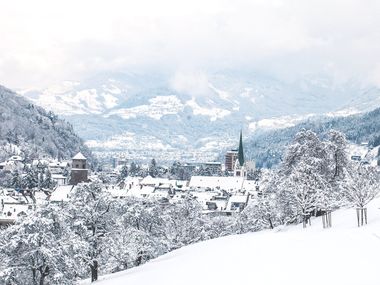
column 79, row 171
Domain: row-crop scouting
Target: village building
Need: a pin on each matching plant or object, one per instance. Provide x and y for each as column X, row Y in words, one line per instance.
column 79, row 171
column 61, row 193
column 237, row 202
column 230, row 159
column 14, row 163
column 58, row 167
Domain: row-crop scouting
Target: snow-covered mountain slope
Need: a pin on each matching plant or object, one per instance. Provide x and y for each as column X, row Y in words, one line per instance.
column 343, row 254
column 267, row 147
column 34, row 133
column 217, row 106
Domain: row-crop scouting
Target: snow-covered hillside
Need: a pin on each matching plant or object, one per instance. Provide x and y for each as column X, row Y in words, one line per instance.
column 218, row 106
column 343, row 254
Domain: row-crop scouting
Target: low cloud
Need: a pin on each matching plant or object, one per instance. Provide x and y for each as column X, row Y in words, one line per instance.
column 191, row 83
column 45, row 42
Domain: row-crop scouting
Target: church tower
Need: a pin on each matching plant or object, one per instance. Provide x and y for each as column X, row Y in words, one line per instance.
column 79, row 171
column 240, row 167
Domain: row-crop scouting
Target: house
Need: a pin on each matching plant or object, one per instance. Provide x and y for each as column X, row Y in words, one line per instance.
column 230, row 159
column 10, row 209
column 58, row 167
column 237, row 203
column 59, row 179
column 13, row 163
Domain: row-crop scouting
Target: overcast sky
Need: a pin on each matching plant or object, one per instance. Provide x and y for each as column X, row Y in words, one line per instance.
column 45, row 42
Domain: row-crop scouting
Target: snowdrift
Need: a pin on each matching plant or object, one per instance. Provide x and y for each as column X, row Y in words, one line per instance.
column 343, row 254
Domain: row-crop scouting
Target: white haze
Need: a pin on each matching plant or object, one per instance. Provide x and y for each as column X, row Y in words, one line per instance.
column 46, row 42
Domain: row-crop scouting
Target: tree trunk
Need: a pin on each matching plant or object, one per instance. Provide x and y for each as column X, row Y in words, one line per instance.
column 270, row 223
column 94, row 270
column 34, row 276
column 44, row 273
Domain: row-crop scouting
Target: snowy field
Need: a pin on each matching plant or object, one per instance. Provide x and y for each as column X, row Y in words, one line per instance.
column 343, row 254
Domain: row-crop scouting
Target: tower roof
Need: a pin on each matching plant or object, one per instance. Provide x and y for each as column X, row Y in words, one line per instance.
column 241, row 151
column 79, row 156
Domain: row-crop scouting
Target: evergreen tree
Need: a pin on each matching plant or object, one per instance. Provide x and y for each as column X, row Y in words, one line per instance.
column 123, row 173
column 16, row 180
column 133, row 169
column 30, row 180
column 153, row 168
column 48, row 182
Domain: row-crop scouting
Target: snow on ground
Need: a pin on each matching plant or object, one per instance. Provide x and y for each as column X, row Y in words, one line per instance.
column 344, row 254
column 213, row 113
column 158, row 107
column 278, row 122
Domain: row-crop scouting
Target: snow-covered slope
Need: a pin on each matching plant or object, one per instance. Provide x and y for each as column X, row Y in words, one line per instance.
column 216, row 107
column 343, row 254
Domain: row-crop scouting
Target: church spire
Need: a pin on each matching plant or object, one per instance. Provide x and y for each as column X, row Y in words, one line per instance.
column 241, row 151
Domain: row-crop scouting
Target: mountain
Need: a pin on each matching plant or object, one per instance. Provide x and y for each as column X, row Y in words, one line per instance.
column 31, row 131
column 286, row 255
column 267, row 147
column 192, row 116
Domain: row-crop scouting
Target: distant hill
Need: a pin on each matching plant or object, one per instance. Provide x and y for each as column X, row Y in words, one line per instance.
column 33, row 132
column 190, row 116
column 267, row 147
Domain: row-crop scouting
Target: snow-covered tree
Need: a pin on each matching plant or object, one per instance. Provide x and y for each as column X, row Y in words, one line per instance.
column 185, row 222
column 40, row 249
column 303, row 187
column 92, row 218
column 133, row 169
column 262, row 211
column 16, row 180
column 360, row 186
column 30, row 180
column 338, row 149
column 153, row 168
column 123, row 173
column 48, row 182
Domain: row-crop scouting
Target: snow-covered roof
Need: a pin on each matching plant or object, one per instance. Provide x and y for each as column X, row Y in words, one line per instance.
column 238, row 199
column 11, row 211
column 62, row 164
column 205, row 196
column 79, row 156
column 225, row 183
column 58, row 176
column 149, row 180
column 137, row 191
column 61, row 193
column 36, row 162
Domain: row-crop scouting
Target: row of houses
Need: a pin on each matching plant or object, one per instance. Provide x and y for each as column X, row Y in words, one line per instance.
column 221, row 194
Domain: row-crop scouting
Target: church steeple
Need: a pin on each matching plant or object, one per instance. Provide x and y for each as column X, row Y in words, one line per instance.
column 241, row 151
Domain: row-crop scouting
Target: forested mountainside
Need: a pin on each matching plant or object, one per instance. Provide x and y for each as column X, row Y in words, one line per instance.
column 34, row 133
column 267, row 147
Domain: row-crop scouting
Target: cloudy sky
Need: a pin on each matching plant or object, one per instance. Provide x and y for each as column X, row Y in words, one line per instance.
column 46, row 42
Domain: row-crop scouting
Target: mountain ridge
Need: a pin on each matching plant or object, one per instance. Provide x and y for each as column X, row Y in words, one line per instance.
column 35, row 132
column 199, row 111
